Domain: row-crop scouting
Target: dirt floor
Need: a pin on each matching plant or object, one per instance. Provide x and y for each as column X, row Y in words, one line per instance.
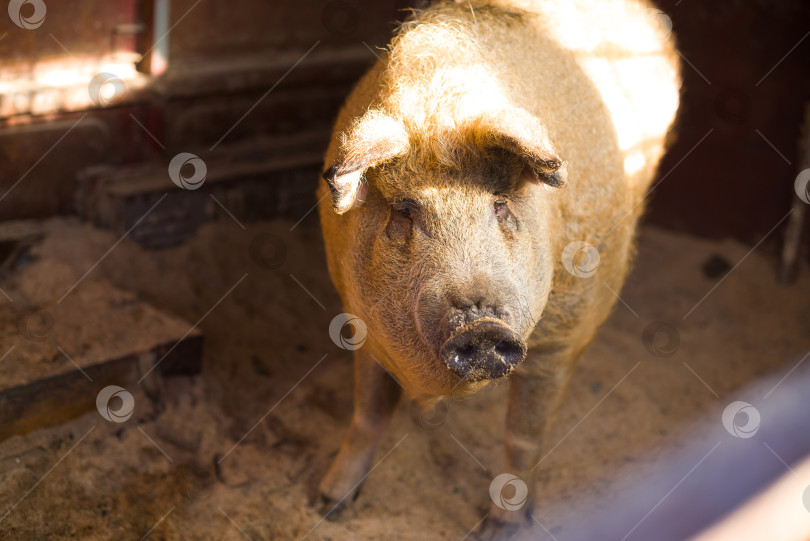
column 235, row 452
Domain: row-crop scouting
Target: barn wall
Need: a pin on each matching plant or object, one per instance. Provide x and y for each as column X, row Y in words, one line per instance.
column 729, row 171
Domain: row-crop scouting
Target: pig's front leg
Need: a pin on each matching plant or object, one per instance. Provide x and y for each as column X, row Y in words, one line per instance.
column 536, row 391
column 375, row 397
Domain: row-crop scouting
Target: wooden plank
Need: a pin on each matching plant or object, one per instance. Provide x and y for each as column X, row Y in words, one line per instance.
column 59, row 356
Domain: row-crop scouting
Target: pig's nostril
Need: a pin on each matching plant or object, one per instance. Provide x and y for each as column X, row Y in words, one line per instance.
column 466, row 350
column 486, row 349
column 510, row 351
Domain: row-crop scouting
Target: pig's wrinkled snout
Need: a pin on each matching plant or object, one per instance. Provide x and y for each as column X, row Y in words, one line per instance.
column 484, row 349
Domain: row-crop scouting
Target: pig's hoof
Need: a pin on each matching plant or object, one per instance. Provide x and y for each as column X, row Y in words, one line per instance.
column 494, row 530
column 329, row 508
column 503, row 525
column 332, row 508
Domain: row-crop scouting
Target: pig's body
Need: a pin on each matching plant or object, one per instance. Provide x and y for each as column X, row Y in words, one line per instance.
column 490, row 137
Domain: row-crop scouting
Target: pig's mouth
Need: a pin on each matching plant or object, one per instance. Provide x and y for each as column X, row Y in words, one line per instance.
column 484, row 349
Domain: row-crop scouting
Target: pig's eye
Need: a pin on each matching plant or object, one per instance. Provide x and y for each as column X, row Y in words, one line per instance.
column 504, row 214
column 404, row 208
column 400, row 225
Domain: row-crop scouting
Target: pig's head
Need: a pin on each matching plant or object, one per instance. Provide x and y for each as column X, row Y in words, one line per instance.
column 448, row 242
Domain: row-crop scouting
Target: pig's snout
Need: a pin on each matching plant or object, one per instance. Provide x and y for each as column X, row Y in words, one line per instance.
column 484, row 349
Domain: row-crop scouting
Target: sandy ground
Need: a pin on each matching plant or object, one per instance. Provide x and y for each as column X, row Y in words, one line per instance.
column 235, row 452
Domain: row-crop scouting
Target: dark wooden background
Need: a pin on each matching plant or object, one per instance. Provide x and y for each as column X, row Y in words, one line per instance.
column 745, row 85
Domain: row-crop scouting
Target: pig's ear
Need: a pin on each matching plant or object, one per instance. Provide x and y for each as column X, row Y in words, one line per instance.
column 541, row 165
column 522, row 134
column 346, row 184
column 373, row 140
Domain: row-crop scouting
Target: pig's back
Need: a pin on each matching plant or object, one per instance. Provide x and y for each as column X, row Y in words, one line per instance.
column 601, row 77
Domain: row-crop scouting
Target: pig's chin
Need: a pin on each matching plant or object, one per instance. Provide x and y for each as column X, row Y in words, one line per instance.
column 440, row 381
column 464, row 388
column 441, row 385
column 432, row 379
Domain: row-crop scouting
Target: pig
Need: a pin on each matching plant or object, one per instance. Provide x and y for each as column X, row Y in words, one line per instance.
column 494, row 154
